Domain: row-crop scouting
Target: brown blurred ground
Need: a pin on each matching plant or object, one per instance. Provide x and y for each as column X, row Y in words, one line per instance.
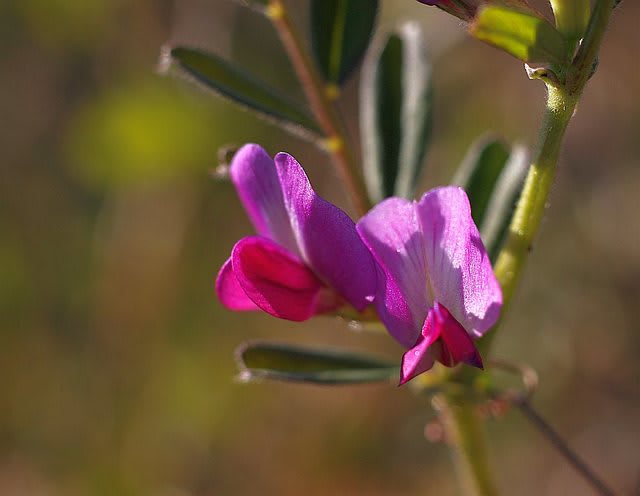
column 116, row 367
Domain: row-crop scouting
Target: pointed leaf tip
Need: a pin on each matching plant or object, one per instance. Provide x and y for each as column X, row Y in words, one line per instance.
column 340, row 34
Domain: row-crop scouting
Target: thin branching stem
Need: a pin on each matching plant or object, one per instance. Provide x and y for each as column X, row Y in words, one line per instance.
column 336, row 141
column 466, row 437
column 563, row 448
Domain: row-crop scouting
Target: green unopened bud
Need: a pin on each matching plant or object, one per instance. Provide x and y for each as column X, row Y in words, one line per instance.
column 572, row 17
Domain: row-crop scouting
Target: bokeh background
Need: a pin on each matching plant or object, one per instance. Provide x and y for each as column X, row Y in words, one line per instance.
column 116, row 360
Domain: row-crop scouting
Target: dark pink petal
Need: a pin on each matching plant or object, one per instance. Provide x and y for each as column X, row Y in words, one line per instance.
column 392, row 233
column 456, row 346
column 460, row 273
column 230, row 292
column 254, row 174
column 278, row 282
column 442, row 339
column 326, row 237
column 420, row 358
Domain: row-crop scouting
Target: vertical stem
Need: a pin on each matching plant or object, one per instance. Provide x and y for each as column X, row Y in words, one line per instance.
column 463, row 427
column 531, row 205
column 466, row 436
column 336, row 136
column 561, row 104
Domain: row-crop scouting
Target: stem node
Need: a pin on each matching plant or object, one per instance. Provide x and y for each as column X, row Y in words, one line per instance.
column 320, row 99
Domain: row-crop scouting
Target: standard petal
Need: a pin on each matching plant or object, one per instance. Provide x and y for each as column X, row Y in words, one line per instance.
column 460, row 273
column 456, row 346
column 278, row 282
column 326, row 237
column 254, row 174
column 230, row 292
column 392, row 233
column 420, row 357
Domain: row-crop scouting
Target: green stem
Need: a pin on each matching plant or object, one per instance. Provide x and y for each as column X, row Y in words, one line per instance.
column 467, row 440
column 531, row 205
column 336, row 142
column 464, row 429
column 468, row 448
column 561, row 104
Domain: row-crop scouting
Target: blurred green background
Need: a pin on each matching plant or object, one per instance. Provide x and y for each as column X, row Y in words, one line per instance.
column 116, row 360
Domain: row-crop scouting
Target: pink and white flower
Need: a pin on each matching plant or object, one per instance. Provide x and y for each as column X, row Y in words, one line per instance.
column 307, row 258
column 436, row 288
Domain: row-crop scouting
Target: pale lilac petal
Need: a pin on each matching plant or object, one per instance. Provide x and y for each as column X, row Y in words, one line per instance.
column 420, row 357
column 456, row 346
column 392, row 233
column 326, row 237
column 460, row 273
column 278, row 282
column 230, row 292
column 254, row 174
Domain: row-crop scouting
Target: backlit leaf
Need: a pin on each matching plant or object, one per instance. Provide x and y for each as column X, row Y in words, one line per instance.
column 523, row 35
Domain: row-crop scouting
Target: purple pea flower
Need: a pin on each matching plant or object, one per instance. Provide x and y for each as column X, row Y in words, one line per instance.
column 436, row 288
column 307, row 258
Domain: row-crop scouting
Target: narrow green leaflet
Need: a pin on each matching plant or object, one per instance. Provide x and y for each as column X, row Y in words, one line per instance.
column 340, row 34
column 395, row 113
column 241, row 87
column 479, row 173
column 523, row 35
column 493, row 175
column 503, row 200
column 283, row 362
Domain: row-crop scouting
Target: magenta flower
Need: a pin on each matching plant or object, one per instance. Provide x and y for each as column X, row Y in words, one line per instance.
column 307, row 258
column 436, row 288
